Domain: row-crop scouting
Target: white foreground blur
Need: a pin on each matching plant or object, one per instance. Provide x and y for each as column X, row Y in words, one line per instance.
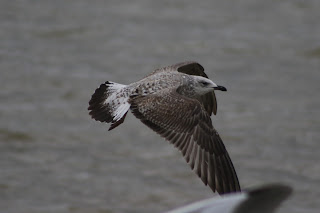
column 262, row 199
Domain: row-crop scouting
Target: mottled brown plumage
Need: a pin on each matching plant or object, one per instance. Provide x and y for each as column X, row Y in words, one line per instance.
column 176, row 103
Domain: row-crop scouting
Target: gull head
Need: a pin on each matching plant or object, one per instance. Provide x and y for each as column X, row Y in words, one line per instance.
column 204, row 85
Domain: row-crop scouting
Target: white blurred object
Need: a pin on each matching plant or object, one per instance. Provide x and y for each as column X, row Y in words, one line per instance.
column 263, row 199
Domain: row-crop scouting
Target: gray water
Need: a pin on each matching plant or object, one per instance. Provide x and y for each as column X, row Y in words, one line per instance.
column 54, row 54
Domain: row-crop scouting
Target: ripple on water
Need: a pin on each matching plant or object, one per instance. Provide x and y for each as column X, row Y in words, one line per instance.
column 7, row 135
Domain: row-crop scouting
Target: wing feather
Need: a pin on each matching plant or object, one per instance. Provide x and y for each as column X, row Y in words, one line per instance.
column 186, row 124
column 204, row 167
column 194, row 156
column 189, row 151
column 211, row 171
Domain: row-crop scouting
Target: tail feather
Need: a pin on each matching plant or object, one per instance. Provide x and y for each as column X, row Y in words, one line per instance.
column 108, row 104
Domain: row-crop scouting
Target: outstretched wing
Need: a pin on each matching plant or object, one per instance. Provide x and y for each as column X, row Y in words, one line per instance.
column 185, row 123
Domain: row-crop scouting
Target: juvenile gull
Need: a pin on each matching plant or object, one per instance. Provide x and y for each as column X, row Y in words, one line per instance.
column 176, row 102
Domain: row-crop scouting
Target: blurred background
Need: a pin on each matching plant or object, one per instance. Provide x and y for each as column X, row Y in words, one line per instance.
column 54, row 54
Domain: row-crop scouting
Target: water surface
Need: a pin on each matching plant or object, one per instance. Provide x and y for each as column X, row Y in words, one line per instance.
column 54, row 54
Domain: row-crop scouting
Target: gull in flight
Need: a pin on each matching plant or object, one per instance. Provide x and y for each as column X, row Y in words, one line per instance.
column 176, row 102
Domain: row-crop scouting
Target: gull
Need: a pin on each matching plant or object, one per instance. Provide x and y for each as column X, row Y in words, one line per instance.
column 176, row 102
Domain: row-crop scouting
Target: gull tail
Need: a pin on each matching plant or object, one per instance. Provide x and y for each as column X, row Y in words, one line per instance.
column 109, row 103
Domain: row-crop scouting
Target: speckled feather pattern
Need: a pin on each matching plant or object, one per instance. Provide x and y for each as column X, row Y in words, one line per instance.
column 168, row 103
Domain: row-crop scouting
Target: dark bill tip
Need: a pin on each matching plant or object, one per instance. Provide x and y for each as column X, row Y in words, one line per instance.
column 222, row 88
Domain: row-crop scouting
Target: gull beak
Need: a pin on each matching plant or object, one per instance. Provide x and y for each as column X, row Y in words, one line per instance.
column 218, row 87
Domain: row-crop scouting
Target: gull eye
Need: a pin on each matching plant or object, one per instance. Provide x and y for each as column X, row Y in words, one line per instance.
column 204, row 83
